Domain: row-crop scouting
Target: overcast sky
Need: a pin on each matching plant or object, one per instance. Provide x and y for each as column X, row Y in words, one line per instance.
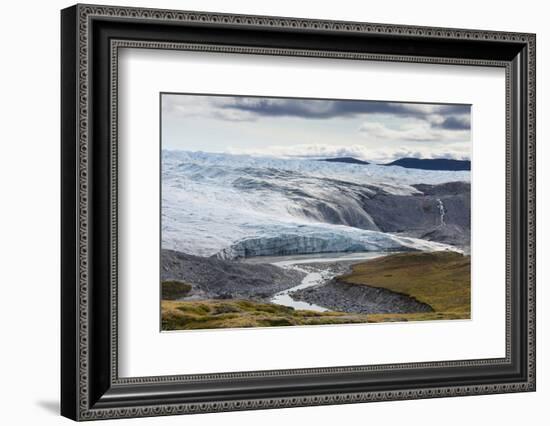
column 286, row 127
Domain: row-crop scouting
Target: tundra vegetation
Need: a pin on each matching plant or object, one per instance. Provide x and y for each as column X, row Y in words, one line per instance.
column 174, row 289
column 205, row 314
column 438, row 279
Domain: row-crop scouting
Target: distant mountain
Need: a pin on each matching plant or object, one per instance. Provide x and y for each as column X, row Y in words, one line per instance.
column 349, row 160
column 431, row 164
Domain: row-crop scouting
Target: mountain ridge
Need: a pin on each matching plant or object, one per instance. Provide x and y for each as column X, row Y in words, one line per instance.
column 348, row 160
column 437, row 164
column 431, row 164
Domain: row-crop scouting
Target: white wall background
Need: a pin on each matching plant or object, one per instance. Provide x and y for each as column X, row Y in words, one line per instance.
column 29, row 212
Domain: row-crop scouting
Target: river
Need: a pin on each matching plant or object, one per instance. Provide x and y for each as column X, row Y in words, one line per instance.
column 314, row 276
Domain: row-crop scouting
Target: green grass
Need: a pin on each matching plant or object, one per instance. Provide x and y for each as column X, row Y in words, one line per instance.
column 208, row 314
column 173, row 289
column 440, row 279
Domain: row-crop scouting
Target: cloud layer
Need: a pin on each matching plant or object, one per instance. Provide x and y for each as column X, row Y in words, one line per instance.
column 452, row 117
column 456, row 151
column 371, row 130
column 443, row 116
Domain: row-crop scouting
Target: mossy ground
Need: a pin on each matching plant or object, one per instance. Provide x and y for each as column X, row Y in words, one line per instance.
column 208, row 314
column 440, row 279
column 173, row 289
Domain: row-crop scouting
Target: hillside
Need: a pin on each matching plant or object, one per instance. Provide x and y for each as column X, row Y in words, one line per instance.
column 441, row 280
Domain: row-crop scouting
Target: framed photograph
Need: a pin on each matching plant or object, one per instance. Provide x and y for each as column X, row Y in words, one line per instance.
column 263, row 212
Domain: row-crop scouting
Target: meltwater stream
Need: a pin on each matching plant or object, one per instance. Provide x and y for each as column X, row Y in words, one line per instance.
column 313, row 277
column 441, row 208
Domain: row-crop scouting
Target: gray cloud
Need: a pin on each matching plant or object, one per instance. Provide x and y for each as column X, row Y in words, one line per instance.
column 455, row 122
column 450, row 117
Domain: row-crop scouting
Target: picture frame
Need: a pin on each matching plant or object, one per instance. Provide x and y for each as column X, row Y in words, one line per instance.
column 91, row 37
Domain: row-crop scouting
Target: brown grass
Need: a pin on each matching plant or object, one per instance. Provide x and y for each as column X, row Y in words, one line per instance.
column 208, row 314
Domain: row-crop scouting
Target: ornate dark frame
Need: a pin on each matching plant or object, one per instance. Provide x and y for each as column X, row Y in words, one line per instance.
column 91, row 37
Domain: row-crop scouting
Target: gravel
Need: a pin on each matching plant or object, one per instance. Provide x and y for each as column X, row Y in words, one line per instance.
column 359, row 299
column 213, row 278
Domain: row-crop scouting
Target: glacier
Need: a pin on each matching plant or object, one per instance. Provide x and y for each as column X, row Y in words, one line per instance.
column 235, row 206
column 311, row 240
